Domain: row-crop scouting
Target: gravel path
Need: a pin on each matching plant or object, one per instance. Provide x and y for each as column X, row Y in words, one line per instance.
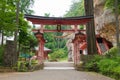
column 53, row 74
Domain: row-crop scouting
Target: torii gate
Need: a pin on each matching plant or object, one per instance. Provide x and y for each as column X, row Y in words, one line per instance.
column 58, row 21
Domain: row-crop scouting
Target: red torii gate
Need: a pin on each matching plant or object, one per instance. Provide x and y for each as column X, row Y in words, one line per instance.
column 79, row 20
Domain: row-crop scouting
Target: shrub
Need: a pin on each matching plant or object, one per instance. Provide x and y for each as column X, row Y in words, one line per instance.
column 116, row 72
column 21, row 66
column 57, row 54
column 25, row 66
column 106, row 66
column 112, row 53
column 92, row 65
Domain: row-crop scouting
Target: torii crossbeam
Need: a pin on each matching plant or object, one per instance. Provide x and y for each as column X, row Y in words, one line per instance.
column 79, row 20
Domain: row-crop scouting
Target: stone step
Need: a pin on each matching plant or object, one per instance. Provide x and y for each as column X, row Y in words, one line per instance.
column 59, row 65
column 58, row 68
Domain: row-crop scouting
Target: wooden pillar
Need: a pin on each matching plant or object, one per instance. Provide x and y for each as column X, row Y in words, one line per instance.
column 76, row 48
column 41, row 52
column 78, row 55
column 75, row 54
column 90, row 28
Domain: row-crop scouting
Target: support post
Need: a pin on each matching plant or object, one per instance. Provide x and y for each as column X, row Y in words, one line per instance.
column 75, row 54
column 41, row 52
column 78, row 55
column 117, row 26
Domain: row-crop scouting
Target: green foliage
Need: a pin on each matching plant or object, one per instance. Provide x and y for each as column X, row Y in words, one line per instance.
column 8, row 21
column 21, row 66
column 76, row 9
column 57, row 54
column 25, row 6
column 92, row 65
column 27, row 39
column 34, row 62
column 112, row 52
column 25, row 66
column 116, row 72
column 51, row 41
column 8, row 14
column 7, row 17
column 81, row 27
column 108, row 64
column 111, row 4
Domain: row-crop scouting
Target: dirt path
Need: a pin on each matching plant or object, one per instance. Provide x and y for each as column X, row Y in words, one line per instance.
column 53, row 74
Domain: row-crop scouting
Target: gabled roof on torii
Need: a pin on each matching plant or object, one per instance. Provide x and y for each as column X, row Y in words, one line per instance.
column 79, row 20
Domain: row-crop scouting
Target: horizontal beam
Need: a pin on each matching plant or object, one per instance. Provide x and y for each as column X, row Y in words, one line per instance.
column 36, row 30
column 79, row 20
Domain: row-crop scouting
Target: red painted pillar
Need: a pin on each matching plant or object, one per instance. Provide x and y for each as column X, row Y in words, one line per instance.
column 41, row 52
column 77, row 53
column 41, row 28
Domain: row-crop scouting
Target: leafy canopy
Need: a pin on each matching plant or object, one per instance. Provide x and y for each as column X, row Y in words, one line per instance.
column 110, row 4
column 76, row 9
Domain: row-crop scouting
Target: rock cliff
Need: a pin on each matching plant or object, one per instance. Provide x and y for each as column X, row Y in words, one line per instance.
column 104, row 20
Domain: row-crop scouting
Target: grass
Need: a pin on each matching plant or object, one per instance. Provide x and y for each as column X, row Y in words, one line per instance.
column 65, row 59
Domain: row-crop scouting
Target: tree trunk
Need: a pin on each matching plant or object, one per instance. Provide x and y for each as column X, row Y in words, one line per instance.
column 1, row 37
column 90, row 28
column 16, row 33
column 117, row 25
column 2, row 42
